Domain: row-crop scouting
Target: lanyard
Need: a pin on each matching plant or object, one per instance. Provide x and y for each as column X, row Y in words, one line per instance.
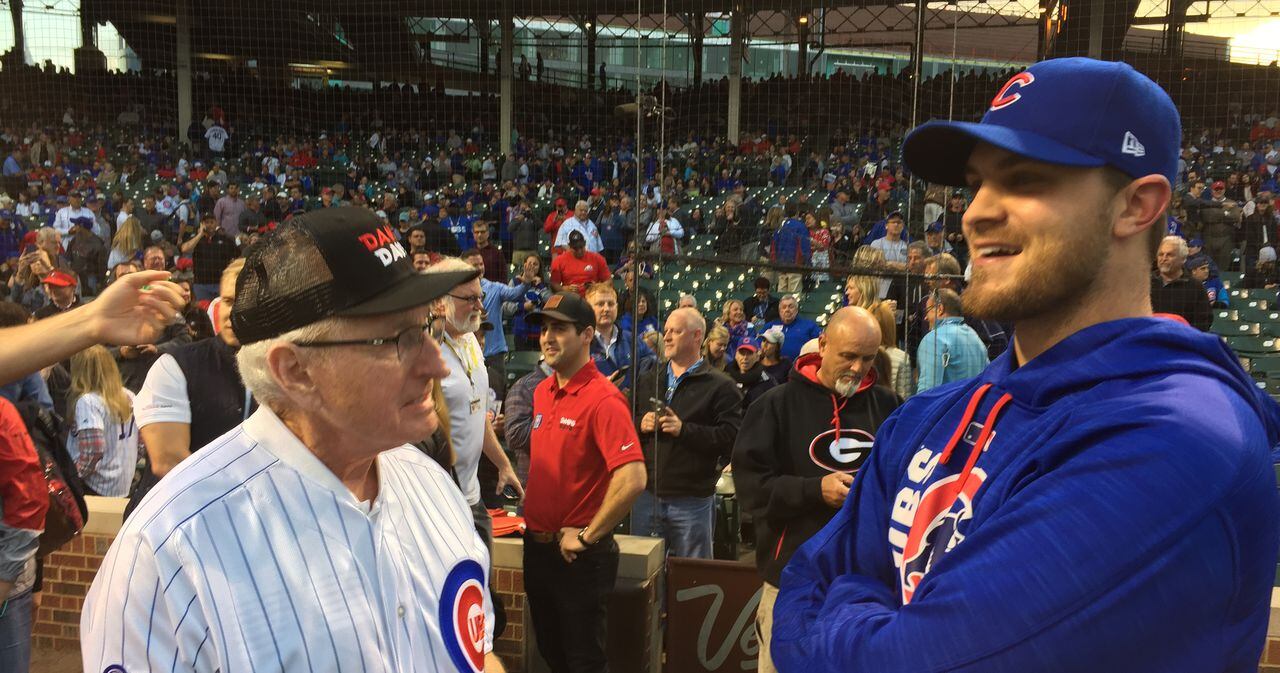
column 467, row 366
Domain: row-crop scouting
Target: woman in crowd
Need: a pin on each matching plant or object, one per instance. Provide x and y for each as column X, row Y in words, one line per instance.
column 524, row 333
column 733, row 318
column 861, row 291
column 647, row 325
column 898, row 375
column 872, row 259
column 820, row 242
column 715, row 347
column 128, row 243
column 104, row 436
column 25, row 284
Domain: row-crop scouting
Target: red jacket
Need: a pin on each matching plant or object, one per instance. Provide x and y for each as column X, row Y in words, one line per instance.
column 24, row 498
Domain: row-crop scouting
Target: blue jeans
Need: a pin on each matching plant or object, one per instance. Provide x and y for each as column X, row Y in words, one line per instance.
column 686, row 523
column 15, row 634
column 207, row 291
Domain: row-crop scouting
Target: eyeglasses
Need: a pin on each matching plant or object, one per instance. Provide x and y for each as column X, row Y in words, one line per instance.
column 471, row 299
column 408, row 342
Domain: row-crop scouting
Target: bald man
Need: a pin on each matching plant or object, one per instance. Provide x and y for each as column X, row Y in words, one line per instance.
column 689, row 415
column 801, row 444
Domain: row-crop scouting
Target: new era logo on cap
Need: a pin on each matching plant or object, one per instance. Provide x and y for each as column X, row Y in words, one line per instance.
column 1132, row 146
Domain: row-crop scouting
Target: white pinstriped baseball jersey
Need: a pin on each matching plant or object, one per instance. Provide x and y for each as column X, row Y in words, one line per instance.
column 113, row 473
column 252, row 556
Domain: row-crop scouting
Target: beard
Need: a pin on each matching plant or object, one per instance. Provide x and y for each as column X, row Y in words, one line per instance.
column 845, row 386
column 466, row 323
column 1057, row 275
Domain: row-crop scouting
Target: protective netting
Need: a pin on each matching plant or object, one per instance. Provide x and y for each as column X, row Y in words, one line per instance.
column 770, row 129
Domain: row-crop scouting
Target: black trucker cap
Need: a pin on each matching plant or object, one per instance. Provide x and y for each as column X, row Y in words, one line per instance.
column 332, row 262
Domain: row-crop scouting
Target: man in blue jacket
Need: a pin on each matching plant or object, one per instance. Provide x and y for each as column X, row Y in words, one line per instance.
column 952, row 350
column 1101, row 498
column 797, row 329
column 790, row 247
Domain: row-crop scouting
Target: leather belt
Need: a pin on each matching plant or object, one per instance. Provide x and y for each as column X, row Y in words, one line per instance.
column 541, row 537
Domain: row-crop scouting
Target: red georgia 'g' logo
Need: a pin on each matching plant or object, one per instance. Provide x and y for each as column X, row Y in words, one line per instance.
column 1007, row 96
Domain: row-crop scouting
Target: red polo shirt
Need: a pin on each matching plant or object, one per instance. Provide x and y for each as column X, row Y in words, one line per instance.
column 569, row 270
column 581, row 433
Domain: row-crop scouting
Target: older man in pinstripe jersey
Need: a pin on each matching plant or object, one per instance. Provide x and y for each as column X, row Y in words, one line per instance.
column 310, row 537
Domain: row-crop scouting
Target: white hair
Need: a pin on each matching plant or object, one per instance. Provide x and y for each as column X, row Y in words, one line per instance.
column 251, row 359
column 1179, row 242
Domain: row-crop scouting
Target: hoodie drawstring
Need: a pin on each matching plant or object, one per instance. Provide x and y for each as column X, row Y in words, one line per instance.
column 836, row 407
column 988, row 426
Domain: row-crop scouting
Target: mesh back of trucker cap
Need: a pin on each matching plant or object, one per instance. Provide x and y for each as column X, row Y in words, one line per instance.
column 285, row 284
column 336, row 261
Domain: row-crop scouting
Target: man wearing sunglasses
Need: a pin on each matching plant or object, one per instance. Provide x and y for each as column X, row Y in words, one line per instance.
column 311, row 536
column 466, row 391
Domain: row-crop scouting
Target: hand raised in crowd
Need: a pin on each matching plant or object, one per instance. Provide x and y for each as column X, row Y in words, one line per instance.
column 136, row 309
column 835, row 488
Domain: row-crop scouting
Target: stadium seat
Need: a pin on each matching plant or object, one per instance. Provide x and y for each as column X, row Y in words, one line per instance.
column 1234, row 328
column 1253, row 344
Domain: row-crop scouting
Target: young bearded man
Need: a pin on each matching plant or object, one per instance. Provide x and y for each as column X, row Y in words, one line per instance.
column 1101, row 498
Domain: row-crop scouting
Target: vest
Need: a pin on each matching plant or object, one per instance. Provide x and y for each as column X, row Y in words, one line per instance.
column 216, row 395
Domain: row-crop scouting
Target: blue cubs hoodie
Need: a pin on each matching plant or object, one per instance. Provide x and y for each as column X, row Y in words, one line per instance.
column 1108, row 507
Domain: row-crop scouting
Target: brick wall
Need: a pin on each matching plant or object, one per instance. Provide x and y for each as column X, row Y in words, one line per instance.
column 67, row 576
column 511, row 646
column 69, row 572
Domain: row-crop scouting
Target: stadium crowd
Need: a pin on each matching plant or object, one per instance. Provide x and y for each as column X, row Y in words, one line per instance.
column 561, row 236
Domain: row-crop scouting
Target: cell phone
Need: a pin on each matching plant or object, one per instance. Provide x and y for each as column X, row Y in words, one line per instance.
column 509, row 492
column 659, row 406
column 623, row 370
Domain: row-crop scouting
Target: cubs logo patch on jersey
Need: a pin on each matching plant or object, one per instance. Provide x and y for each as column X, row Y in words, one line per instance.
column 462, row 616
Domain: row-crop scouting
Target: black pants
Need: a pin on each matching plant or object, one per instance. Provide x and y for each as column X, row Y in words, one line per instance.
column 567, row 602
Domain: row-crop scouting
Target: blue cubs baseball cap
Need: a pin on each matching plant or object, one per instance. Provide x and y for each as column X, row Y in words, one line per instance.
column 934, row 228
column 1067, row 111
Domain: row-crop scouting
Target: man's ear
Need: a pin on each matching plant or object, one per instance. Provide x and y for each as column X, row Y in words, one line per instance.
column 1142, row 205
column 289, row 369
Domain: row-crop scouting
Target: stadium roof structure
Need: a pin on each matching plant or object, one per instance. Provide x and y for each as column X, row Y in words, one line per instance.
column 375, row 33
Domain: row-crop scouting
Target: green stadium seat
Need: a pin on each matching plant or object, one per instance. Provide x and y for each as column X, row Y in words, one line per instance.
column 1234, row 328
column 1253, row 344
column 520, row 363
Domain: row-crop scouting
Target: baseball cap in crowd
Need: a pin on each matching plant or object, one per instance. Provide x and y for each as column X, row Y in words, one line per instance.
column 561, row 202
column 577, row 240
column 567, row 307
column 762, row 283
column 60, row 278
column 1267, row 254
column 1218, row 184
column 1067, row 111
column 1195, row 243
column 749, row 344
column 333, row 262
column 382, row 214
column 774, row 335
column 404, row 216
column 934, row 228
column 62, row 198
